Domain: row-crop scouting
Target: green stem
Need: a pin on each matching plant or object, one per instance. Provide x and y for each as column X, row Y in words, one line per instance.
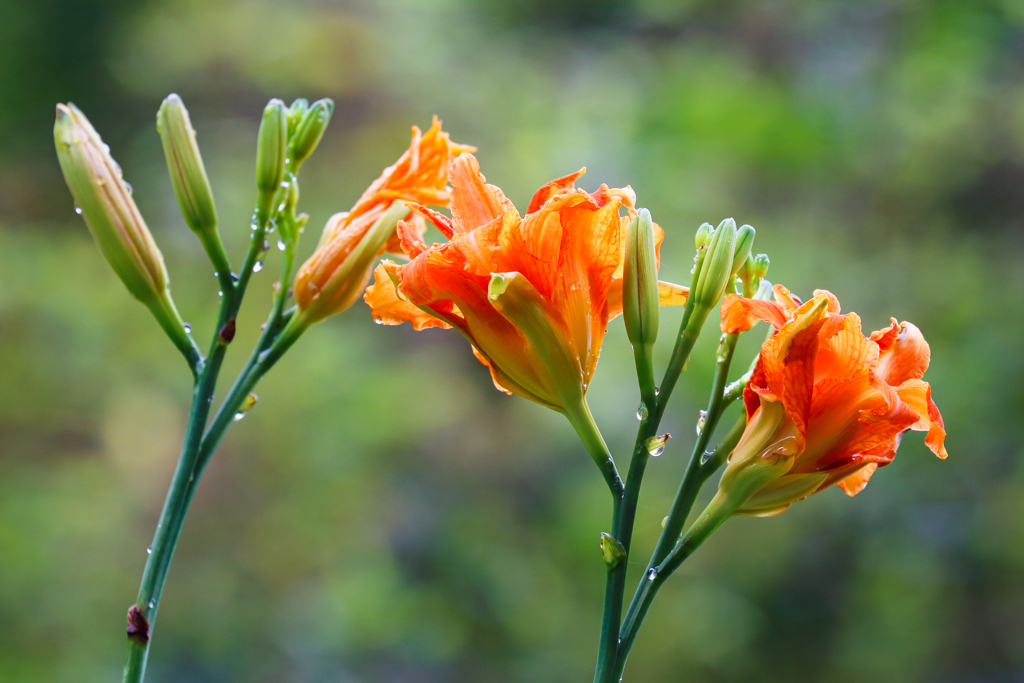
column 583, row 422
column 713, row 517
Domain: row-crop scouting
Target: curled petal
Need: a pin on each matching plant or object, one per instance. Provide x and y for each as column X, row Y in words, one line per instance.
column 388, row 306
column 856, row 482
column 739, row 313
column 903, row 353
column 917, row 394
column 473, row 201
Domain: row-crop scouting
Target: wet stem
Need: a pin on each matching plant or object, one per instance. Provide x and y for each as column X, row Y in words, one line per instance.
column 200, row 442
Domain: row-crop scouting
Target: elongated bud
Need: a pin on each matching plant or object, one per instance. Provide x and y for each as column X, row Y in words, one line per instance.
column 716, row 267
column 103, row 199
column 744, row 243
column 703, row 236
column 611, row 550
column 295, row 114
column 338, row 273
column 310, row 129
column 185, row 166
column 271, row 147
column 640, row 303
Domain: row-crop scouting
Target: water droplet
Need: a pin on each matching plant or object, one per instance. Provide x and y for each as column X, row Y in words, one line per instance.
column 152, row 603
column 239, row 416
column 664, row 522
column 705, row 456
column 652, row 573
column 246, row 406
column 378, row 320
column 280, row 245
column 641, row 412
column 285, row 183
column 221, row 293
column 266, row 245
column 188, row 328
column 149, row 550
column 257, row 267
column 78, row 210
column 280, row 207
column 656, row 444
column 701, row 420
column 128, row 187
column 657, row 391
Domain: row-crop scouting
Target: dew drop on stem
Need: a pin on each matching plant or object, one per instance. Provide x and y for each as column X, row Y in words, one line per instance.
column 700, row 422
column 641, row 412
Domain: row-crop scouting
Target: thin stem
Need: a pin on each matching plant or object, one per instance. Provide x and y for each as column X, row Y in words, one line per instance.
column 712, row 518
column 583, row 422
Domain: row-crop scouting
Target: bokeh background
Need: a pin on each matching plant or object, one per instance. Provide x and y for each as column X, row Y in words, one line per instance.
column 383, row 514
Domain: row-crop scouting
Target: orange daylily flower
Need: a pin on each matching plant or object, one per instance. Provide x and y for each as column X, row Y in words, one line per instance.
column 825, row 404
column 533, row 294
column 324, row 284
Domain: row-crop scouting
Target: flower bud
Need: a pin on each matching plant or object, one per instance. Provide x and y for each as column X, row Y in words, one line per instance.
column 271, row 147
column 185, row 166
column 310, row 129
column 716, row 266
column 752, row 272
column 611, row 550
column 703, row 236
column 744, row 243
column 640, row 302
column 295, row 114
column 345, row 270
column 103, row 199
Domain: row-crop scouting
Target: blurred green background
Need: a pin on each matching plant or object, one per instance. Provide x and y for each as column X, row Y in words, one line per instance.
column 383, row 514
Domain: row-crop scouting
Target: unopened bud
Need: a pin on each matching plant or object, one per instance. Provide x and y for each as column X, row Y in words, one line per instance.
column 103, row 199
column 716, row 267
column 185, row 166
column 271, row 147
column 336, row 275
column 310, row 129
column 753, row 271
column 611, row 550
column 744, row 243
column 295, row 114
column 640, row 303
column 703, row 236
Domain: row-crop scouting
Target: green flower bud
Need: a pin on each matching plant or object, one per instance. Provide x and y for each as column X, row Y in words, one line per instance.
column 716, row 267
column 752, row 272
column 271, row 147
column 744, row 243
column 703, row 236
column 611, row 550
column 185, row 166
column 640, row 303
column 310, row 129
column 295, row 114
column 104, row 200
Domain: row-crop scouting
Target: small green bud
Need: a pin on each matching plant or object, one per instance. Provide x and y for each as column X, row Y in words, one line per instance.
column 752, row 272
column 716, row 268
column 271, row 147
column 295, row 114
column 310, row 129
column 703, row 236
column 760, row 265
column 640, row 303
column 744, row 243
column 611, row 550
column 185, row 166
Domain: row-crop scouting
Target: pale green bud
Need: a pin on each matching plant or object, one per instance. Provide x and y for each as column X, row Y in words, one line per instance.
column 744, row 243
column 703, row 236
column 716, row 267
column 310, row 129
column 295, row 114
column 611, row 550
column 105, row 201
column 271, row 147
column 640, row 303
column 185, row 166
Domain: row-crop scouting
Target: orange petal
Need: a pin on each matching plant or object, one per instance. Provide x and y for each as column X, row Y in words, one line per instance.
column 856, row 482
column 903, row 354
column 552, row 188
column 844, row 352
column 473, row 201
column 739, row 314
column 438, row 219
column 917, row 394
column 389, row 308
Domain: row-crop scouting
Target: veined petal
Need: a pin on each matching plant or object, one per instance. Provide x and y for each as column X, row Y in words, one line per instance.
column 739, row 313
column 387, row 305
column 917, row 394
column 903, row 353
column 473, row 201
column 552, row 188
column 856, row 482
